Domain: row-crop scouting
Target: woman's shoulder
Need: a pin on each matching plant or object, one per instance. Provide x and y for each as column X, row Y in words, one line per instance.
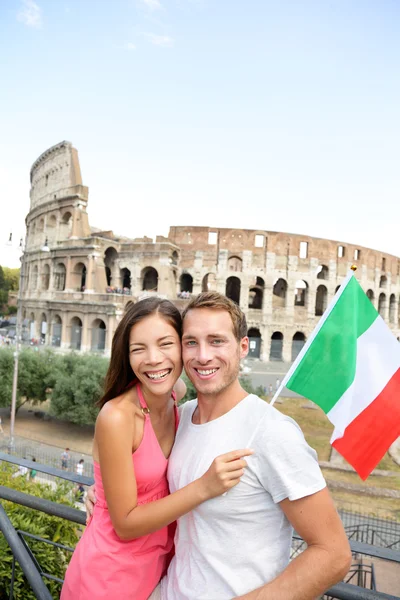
column 122, row 409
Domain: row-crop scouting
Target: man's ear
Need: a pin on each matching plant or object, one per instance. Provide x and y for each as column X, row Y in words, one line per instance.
column 244, row 347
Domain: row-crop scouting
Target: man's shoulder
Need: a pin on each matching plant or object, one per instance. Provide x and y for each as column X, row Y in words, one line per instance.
column 271, row 422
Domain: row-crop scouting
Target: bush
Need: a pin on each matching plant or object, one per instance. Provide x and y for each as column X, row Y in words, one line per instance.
column 52, row 560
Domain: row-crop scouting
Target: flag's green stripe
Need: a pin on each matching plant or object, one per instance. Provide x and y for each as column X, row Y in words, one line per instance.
column 328, row 367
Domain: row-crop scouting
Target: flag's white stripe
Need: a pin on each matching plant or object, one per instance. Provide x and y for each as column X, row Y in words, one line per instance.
column 378, row 359
column 310, row 340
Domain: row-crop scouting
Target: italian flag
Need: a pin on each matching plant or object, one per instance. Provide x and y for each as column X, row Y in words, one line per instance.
column 350, row 367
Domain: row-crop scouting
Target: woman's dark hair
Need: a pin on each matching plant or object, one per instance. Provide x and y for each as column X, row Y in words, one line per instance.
column 120, row 375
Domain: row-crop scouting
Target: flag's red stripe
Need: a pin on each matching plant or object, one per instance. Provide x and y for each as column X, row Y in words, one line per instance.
column 369, row 436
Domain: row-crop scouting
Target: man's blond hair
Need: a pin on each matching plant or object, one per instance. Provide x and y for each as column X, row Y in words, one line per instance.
column 216, row 301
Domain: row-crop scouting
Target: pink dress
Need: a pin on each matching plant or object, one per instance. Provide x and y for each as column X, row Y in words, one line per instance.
column 105, row 567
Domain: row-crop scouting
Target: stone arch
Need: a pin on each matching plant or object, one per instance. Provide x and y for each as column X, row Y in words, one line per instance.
column 99, row 330
column 279, row 293
column 125, row 275
column 186, row 283
column 235, row 263
column 43, row 327
column 41, row 225
column 371, row 295
column 301, row 293
column 323, row 272
column 392, row 309
column 254, row 336
column 65, row 225
column 34, row 280
column 256, row 294
column 383, row 282
column 110, row 257
column 59, row 277
column 149, row 279
column 56, row 331
column 232, row 289
column 382, row 305
column 209, row 283
column 298, row 341
column 78, row 277
column 174, row 258
column 45, row 276
column 76, row 333
column 276, row 349
column 321, row 300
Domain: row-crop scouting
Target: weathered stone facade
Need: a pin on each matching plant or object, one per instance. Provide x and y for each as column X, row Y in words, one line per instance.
column 75, row 289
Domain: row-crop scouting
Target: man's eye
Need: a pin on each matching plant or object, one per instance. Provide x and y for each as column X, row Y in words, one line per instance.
column 191, row 343
column 217, row 341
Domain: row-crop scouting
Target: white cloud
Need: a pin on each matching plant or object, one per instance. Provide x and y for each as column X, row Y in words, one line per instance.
column 160, row 40
column 152, row 4
column 129, row 46
column 30, row 14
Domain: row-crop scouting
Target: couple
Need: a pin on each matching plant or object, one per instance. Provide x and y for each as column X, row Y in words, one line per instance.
column 235, row 516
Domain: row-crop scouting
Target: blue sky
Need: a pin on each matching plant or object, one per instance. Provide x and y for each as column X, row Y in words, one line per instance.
column 276, row 115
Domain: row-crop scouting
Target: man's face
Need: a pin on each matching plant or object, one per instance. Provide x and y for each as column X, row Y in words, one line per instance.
column 211, row 353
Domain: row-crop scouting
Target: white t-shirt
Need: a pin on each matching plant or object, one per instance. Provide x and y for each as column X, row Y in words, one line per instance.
column 237, row 542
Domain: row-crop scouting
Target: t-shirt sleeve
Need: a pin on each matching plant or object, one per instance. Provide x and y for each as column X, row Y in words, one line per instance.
column 285, row 464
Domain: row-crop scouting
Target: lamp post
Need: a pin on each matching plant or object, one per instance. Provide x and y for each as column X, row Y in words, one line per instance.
column 18, row 329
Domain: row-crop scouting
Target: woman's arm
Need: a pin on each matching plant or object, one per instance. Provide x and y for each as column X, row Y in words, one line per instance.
column 114, row 440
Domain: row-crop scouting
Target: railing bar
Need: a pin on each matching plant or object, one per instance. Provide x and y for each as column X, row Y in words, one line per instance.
column 46, row 506
column 345, row 591
column 369, row 550
column 52, row 577
column 44, row 540
column 12, row 579
column 22, row 556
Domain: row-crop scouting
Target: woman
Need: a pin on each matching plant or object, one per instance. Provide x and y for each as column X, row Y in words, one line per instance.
column 124, row 550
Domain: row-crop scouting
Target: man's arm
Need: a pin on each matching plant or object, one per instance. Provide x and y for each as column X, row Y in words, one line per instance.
column 326, row 560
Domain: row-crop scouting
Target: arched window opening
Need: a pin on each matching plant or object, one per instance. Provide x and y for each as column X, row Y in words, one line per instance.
column 254, row 336
column 371, row 295
column 392, row 308
column 322, row 272
column 56, row 333
column 383, row 281
column 110, row 256
column 321, row 300
column 174, row 258
column 232, row 289
column 279, row 292
column 149, row 279
column 301, row 293
column 76, row 333
column 276, row 346
column 126, row 279
column 98, row 336
column 59, row 277
column 209, row 283
column 43, row 328
column 298, row 341
column 256, row 294
column 382, row 305
column 66, row 225
column 186, row 283
column 235, row 263
column 79, row 277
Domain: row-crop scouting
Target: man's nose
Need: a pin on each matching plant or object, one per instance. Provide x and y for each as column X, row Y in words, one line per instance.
column 204, row 353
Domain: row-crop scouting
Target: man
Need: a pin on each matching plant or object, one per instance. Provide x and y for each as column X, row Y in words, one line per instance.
column 65, row 459
column 238, row 545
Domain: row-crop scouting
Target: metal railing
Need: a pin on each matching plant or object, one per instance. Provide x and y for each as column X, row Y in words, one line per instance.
column 35, row 575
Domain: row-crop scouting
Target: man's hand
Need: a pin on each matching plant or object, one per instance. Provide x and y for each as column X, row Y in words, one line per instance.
column 90, row 501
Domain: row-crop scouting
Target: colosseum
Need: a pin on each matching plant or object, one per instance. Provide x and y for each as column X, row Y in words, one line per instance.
column 76, row 279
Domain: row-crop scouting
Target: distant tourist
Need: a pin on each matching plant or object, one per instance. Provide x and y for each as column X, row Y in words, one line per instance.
column 65, row 459
column 33, row 472
column 1, row 427
column 277, row 384
column 270, row 389
column 79, row 467
column 22, row 471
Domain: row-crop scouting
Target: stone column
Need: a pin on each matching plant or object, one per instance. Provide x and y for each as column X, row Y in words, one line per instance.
column 68, row 275
column 287, row 348
column 65, row 342
column 86, row 334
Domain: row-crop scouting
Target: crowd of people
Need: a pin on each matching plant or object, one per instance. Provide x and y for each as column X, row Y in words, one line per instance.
column 116, row 290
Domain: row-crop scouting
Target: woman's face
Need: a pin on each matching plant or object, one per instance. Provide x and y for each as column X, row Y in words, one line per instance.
column 155, row 354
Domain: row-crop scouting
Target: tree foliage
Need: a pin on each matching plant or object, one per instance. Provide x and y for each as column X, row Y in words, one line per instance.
column 11, row 279
column 52, row 560
column 77, row 383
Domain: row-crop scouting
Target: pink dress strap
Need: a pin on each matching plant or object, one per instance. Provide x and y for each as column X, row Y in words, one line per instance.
column 143, row 405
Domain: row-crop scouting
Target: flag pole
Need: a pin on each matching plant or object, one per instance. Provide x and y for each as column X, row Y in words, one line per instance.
column 306, row 346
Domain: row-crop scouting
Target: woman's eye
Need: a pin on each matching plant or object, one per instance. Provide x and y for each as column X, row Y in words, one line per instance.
column 167, row 344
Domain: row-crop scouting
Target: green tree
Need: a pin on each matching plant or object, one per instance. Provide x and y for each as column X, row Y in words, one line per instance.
column 11, row 279
column 2, row 279
column 6, row 375
column 77, row 383
column 53, row 560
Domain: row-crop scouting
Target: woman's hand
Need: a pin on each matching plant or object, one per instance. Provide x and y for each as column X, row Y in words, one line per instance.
column 224, row 473
column 90, row 501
